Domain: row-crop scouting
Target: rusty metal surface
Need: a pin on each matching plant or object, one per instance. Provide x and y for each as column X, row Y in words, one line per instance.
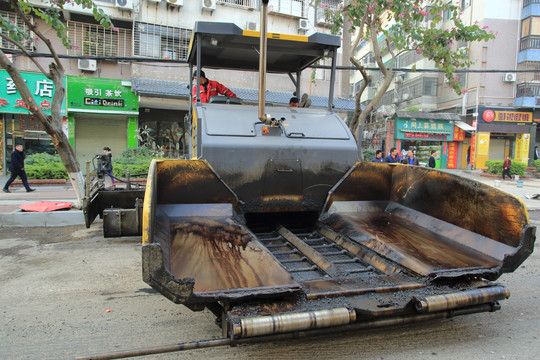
column 283, row 323
column 431, row 223
column 461, row 299
column 222, row 255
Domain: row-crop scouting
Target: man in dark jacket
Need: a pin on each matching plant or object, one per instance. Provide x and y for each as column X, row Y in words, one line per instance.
column 17, row 169
column 378, row 157
column 209, row 88
column 431, row 162
column 392, row 157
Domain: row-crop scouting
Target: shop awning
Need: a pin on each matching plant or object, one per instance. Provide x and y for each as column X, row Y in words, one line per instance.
column 464, row 126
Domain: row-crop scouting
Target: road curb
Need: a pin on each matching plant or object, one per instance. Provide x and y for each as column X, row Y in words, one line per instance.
column 42, row 219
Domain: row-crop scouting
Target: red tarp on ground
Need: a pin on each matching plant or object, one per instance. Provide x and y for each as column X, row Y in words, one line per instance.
column 44, row 206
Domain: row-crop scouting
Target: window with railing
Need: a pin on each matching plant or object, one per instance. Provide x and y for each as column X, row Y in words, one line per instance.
column 408, row 58
column 447, row 14
column 245, row 4
column 95, row 40
column 295, row 8
column 530, row 2
column 163, row 42
column 527, row 90
column 530, row 33
column 16, row 19
column 330, row 5
column 387, row 99
column 529, row 76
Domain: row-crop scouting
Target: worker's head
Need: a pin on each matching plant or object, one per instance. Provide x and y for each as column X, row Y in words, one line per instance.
column 410, row 154
column 19, row 147
column 433, row 152
column 393, row 151
column 378, row 154
column 203, row 77
column 106, row 149
column 293, row 102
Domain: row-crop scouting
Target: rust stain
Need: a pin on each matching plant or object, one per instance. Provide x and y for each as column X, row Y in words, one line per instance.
column 222, row 256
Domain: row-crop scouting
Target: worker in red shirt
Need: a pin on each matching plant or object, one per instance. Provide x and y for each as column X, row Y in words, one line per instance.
column 209, row 88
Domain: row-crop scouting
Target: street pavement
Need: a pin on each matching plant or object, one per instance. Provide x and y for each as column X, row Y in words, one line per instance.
column 11, row 215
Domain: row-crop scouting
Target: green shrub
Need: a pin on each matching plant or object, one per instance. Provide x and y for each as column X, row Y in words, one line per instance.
column 44, row 166
column 495, row 167
column 537, row 164
column 136, row 160
column 369, row 154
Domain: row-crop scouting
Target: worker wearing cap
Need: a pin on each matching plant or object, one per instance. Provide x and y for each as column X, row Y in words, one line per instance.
column 209, row 88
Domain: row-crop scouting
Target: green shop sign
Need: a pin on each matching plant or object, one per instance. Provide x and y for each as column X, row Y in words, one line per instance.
column 422, row 129
column 101, row 96
column 40, row 87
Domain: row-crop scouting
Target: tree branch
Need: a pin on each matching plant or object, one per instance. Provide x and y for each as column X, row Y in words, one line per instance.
column 36, row 31
column 26, row 53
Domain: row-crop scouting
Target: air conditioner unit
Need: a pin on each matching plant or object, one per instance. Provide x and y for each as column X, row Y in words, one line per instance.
column 405, row 96
column 509, row 77
column 209, row 5
column 124, row 4
column 40, row 2
column 252, row 25
column 87, row 65
column 175, row 2
column 303, row 24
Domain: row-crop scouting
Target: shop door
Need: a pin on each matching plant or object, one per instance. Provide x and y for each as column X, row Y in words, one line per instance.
column 91, row 135
column 496, row 149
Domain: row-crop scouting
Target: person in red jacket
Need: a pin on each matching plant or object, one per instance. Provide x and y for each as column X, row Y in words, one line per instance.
column 506, row 167
column 209, row 88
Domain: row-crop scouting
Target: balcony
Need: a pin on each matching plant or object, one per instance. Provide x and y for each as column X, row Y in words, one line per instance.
column 528, row 90
column 529, row 2
column 529, row 42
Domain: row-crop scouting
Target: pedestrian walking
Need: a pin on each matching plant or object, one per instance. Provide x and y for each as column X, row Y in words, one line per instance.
column 107, row 164
column 17, row 169
column 431, row 162
column 536, row 153
column 506, row 167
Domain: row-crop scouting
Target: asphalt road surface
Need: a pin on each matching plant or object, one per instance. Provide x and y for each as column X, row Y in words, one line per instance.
column 68, row 292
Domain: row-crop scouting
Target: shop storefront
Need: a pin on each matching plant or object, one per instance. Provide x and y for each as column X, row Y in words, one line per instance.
column 101, row 112
column 500, row 133
column 17, row 124
column 426, row 132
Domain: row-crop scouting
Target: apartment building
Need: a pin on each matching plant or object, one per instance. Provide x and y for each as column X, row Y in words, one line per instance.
column 133, row 77
column 497, row 110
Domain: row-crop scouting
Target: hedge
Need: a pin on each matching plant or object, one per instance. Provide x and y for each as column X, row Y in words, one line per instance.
column 495, row 167
column 44, row 166
column 136, row 160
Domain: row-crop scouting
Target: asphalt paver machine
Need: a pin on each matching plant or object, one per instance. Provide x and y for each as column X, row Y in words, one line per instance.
column 275, row 227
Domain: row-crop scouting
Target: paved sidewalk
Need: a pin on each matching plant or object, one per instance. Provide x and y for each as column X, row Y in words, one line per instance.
column 11, row 215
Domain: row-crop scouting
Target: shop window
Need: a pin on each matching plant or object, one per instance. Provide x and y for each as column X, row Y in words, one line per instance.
column 95, row 40
column 15, row 19
column 166, row 136
column 162, row 42
column 26, row 130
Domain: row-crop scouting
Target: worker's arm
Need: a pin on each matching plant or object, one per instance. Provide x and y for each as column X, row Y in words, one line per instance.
column 222, row 89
